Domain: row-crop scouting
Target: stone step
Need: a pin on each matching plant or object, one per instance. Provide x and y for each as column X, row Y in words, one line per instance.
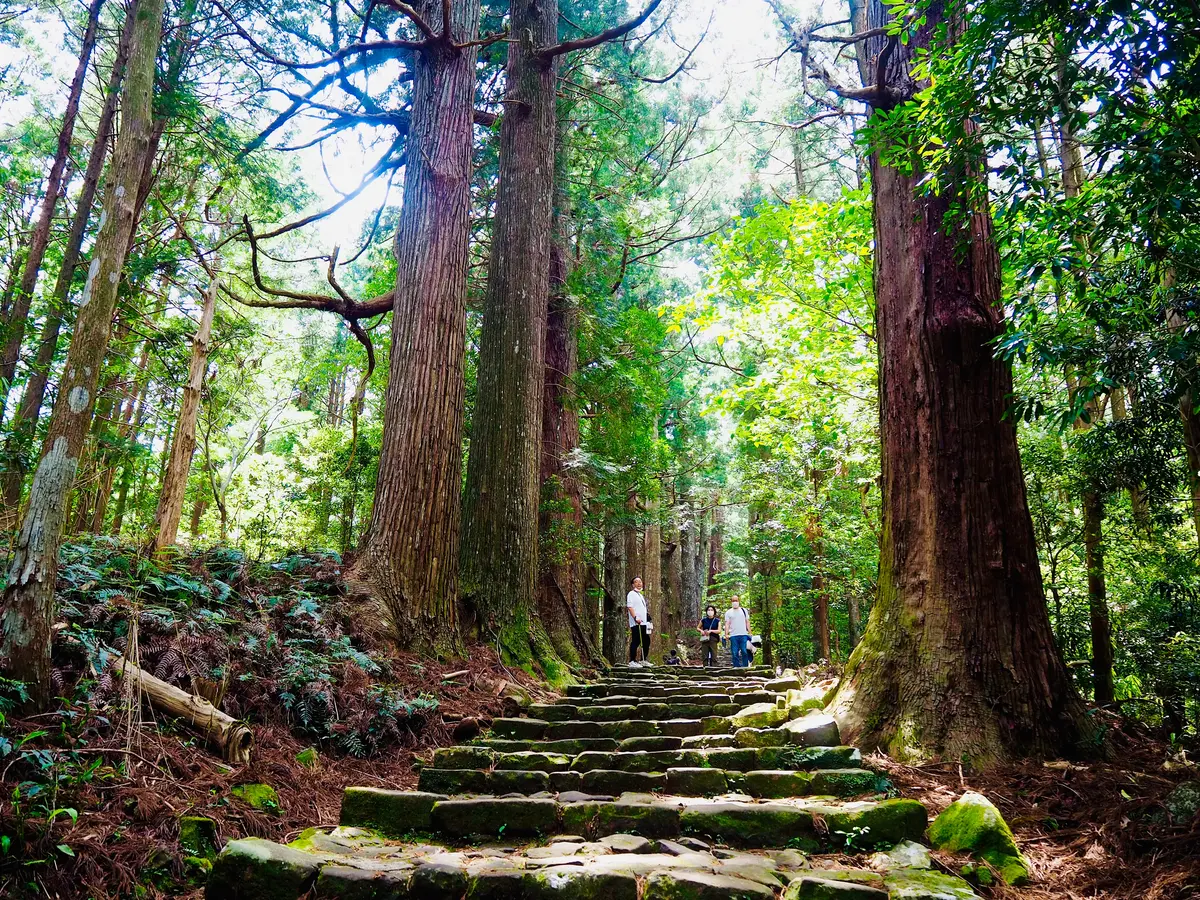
column 348, row 863
column 807, row 824
column 646, row 711
column 540, row 729
column 643, row 690
column 570, row 747
column 682, row 781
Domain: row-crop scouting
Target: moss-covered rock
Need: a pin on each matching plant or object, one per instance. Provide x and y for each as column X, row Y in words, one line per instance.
column 308, row 757
column 492, row 817
column 695, row 782
column 596, row 819
column 813, row 730
column 462, row 758
column 542, row 762
column 393, row 814
column 847, row 782
column 758, row 715
column 517, row 781
column 519, row 729
column 198, row 836
column 923, row 884
column 760, row 737
column 682, row 885
column 812, row 887
column 776, row 784
column 350, row 883
column 454, row 781
column 973, row 825
column 259, row 796
column 256, row 869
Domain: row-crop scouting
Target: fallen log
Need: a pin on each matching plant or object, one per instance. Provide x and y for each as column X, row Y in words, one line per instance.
column 232, row 738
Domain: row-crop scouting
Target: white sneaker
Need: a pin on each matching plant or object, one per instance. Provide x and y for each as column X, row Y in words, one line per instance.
column 634, row 664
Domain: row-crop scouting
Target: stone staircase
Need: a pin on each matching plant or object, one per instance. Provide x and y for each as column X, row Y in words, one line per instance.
column 651, row 784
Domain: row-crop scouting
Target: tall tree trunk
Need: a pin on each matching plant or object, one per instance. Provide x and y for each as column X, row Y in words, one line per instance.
column 410, row 556
column 716, row 546
column 1102, row 648
column 1137, row 499
column 28, row 602
column 672, row 579
column 24, row 423
column 18, row 314
column 700, row 562
column 820, row 591
column 183, row 446
column 633, row 545
column 500, row 508
column 958, row 659
column 616, row 619
column 560, row 586
column 689, row 596
column 652, row 568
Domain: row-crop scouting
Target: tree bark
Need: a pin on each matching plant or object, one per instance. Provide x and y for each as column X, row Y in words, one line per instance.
column 411, row 552
column 820, row 592
column 1102, row 648
column 23, row 424
column 672, row 580
column 500, row 508
column 958, row 659
column 616, row 620
column 18, row 314
column 652, row 567
column 700, row 563
column 716, row 546
column 183, row 446
column 27, row 611
column 689, row 596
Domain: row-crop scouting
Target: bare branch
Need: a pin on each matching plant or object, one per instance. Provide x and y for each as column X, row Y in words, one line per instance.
column 609, row 34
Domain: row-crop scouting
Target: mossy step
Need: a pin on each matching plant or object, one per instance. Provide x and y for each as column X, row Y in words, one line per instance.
column 741, row 759
column 570, row 747
column 639, row 728
column 805, row 824
column 356, row 864
column 623, row 699
column 682, row 780
column 654, row 712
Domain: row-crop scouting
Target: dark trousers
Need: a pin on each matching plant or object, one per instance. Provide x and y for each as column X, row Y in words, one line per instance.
column 710, row 652
column 638, row 637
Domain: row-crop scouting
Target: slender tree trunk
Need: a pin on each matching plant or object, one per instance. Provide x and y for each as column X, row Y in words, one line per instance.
column 616, row 620
column 633, row 545
column 672, row 578
column 1137, row 499
column 14, row 331
column 854, row 618
column 183, row 446
column 28, row 602
column 958, row 659
column 500, row 508
column 689, row 595
column 820, row 591
column 24, row 423
column 700, row 562
column 1102, row 648
column 410, row 556
column 652, row 565
column 716, row 546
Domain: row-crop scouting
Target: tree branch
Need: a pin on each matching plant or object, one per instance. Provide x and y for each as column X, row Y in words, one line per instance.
column 609, row 34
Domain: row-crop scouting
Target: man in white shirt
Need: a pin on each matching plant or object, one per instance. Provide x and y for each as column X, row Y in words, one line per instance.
column 737, row 631
column 635, row 605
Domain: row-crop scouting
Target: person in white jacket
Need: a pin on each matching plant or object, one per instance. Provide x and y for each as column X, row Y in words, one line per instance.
column 639, row 637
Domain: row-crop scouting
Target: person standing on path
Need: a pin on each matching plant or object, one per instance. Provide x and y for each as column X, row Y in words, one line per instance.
column 635, row 605
column 737, row 630
column 710, row 634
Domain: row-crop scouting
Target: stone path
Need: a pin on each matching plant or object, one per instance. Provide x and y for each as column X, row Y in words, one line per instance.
column 651, row 784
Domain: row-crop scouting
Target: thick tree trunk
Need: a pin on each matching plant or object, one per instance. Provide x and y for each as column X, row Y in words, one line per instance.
column 958, row 659
column 183, row 446
column 700, row 563
column 28, row 601
column 17, row 446
column 716, row 547
column 634, row 545
column 1191, row 446
column 500, row 507
column 652, row 566
column 672, row 579
column 616, row 620
column 410, row 556
column 689, row 595
column 18, row 314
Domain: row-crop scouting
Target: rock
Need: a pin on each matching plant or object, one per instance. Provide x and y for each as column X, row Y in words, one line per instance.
column 922, row 884
column 709, row 741
column 702, row 886
column 520, row 817
column 776, row 784
column 259, row 796
column 607, row 781
column 695, row 782
column 627, row 843
column 808, row 758
column 308, row 757
column 598, row 819
column 660, row 742
column 906, row 854
column 847, row 782
column 760, row 737
column 783, row 685
column 810, row 887
column 520, row 729
column 695, row 844
column 575, row 883
column 715, row 725
column 198, row 836
column 813, row 730
column 972, row 825
column 462, row 758
column 566, row 782
column 758, row 715
column 454, row 781
column 1183, row 802
column 506, row 781
column 789, row 859
column 353, row 883
column 438, row 881
column 257, row 869
column 393, row 814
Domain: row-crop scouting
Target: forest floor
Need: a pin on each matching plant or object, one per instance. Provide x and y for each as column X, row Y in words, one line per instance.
column 92, row 802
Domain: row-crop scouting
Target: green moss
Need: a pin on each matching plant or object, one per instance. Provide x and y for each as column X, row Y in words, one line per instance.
column 308, row 757
column 259, row 796
column 973, row 825
column 198, row 836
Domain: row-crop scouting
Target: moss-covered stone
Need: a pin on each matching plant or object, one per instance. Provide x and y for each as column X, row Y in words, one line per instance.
column 813, row 730
column 256, row 869
column 438, row 881
column 393, row 814
column 519, row 729
column 776, row 784
column 715, row 725
column 465, row 757
column 517, row 781
column 350, row 883
column 847, row 782
column 198, row 836
column 753, row 825
column 454, row 781
column 973, row 825
column 737, row 759
column 658, row 742
column 809, row 758
column 695, row 782
column 922, row 884
column 596, row 819
column 758, row 715
column 259, row 796
column 308, row 757
column 603, row 781
column 812, row 887
column 533, row 760
column 868, row 825
column 573, row 883
column 492, row 817
column 760, row 737
column 709, row 741
column 684, row 885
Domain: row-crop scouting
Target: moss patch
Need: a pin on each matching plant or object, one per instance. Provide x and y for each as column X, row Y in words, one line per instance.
column 971, row 824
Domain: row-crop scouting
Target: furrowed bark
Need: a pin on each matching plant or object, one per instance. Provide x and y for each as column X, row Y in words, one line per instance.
column 183, row 446
column 616, row 619
column 14, row 332
column 498, row 560
column 410, row 556
column 27, row 610
column 958, row 660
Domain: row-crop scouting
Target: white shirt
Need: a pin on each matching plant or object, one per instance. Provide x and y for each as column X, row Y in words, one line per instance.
column 736, row 621
column 637, row 602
